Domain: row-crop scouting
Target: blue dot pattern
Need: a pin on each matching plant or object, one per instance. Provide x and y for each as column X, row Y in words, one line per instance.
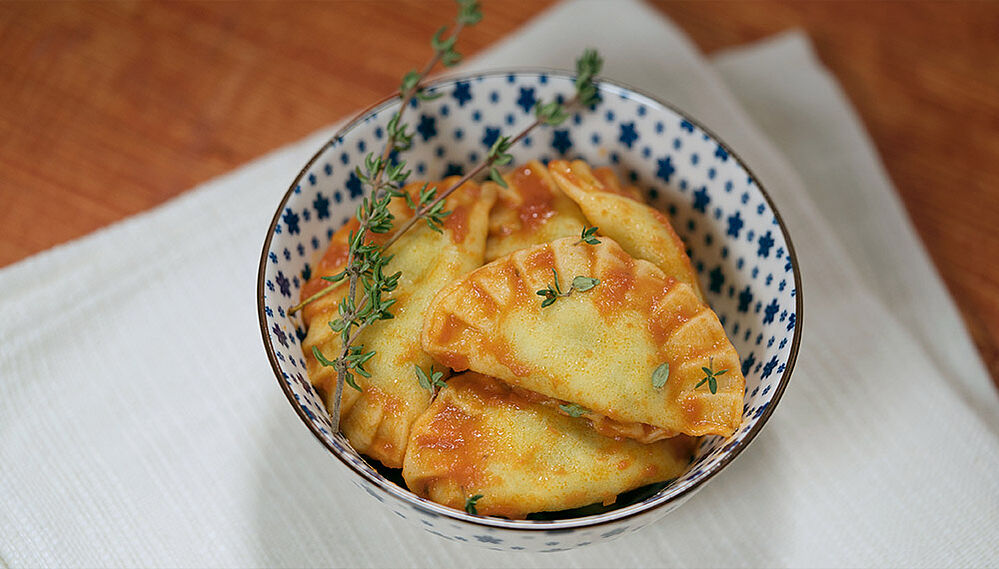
column 735, row 240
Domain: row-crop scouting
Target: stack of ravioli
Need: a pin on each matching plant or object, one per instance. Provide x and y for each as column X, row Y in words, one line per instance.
column 546, row 408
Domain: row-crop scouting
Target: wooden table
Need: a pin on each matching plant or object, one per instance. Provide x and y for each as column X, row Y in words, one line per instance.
column 111, row 108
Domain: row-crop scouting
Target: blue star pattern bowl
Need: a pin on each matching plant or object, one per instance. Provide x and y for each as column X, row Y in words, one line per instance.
column 737, row 242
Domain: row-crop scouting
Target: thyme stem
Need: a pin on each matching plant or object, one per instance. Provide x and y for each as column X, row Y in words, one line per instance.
column 406, row 97
column 342, row 366
column 479, row 168
column 421, row 212
column 368, row 260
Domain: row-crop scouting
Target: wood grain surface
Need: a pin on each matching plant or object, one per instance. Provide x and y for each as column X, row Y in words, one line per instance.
column 110, row 108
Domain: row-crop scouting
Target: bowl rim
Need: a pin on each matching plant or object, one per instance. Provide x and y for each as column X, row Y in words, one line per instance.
column 488, row 522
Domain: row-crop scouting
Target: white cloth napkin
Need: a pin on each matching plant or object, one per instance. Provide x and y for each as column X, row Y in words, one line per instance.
column 140, row 423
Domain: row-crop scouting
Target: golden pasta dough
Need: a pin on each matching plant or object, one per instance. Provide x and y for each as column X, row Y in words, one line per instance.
column 529, row 211
column 583, row 370
column 597, row 348
column 377, row 419
column 482, row 437
column 641, row 230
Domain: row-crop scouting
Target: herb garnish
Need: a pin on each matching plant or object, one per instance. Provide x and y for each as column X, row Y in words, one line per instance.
column 553, row 292
column 583, row 284
column 574, row 410
column 435, row 215
column 470, row 504
column 366, row 261
column 587, row 237
column 710, row 375
column 660, row 375
column 399, row 139
column 433, row 382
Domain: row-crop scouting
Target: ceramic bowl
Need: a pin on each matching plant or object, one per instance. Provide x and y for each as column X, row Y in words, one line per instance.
column 737, row 242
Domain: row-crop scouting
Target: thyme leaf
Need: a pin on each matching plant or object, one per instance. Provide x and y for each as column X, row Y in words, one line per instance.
column 551, row 113
column 587, row 67
column 583, row 284
column 495, row 176
column 573, row 410
column 660, row 375
column 431, row 382
column 470, row 504
column 469, row 12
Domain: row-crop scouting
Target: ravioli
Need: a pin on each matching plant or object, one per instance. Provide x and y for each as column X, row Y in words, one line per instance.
column 482, row 437
column 529, row 211
column 596, row 348
column 611, row 183
column 642, row 231
column 377, row 420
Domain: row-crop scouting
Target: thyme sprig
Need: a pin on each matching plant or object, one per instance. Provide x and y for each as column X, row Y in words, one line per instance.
column 587, row 236
column 552, row 114
column 398, row 137
column 435, row 215
column 366, row 260
column 554, row 292
column 433, row 207
column 432, row 382
column 709, row 376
